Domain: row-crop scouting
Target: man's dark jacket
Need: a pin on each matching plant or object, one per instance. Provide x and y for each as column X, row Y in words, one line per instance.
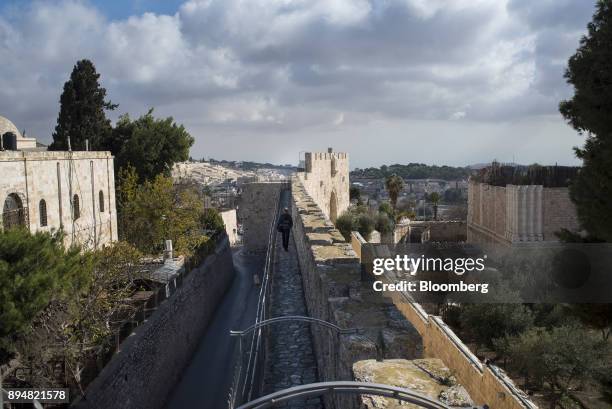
column 285, row 222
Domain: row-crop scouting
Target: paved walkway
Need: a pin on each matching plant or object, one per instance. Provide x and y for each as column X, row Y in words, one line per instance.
column 290, row 359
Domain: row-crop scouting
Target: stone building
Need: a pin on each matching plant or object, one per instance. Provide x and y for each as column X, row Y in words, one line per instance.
column 51, row 190
column 326, row 179
column 518, row 214
column 12, row 139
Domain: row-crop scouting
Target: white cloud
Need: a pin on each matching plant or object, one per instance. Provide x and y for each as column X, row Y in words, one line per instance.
column 247, row 68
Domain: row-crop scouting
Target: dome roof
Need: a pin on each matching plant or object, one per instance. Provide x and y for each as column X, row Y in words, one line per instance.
column 8, row 126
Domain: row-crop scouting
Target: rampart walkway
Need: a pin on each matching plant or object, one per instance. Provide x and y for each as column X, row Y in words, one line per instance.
column 290, row 358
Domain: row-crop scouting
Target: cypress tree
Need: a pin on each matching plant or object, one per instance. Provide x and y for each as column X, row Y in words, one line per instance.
column 82, row 111
column 589, row 112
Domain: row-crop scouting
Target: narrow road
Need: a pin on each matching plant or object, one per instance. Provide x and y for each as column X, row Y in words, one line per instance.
column 206, row 382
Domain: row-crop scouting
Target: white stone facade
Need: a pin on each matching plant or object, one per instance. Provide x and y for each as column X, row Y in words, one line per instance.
column 48, row 182
column 231, row 225
column 518, row 214
column 326, row 180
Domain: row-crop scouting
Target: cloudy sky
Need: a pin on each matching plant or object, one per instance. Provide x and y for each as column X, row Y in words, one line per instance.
column 389, row 81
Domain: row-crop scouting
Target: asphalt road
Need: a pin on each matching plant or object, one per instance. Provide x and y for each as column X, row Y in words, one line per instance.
column 206, row 381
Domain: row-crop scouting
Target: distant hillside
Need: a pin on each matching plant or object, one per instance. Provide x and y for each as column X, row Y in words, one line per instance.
column 246, row 165
column 478, row 166
column 414, row 171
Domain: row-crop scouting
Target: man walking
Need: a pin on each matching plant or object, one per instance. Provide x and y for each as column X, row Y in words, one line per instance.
column 285, row 223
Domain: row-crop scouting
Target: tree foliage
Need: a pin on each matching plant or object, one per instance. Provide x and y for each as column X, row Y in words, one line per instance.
column 503, row 316
column 355, row 194
column 100, row 300
column 159, row 210
column 414, row 171
column 589, row 71
column 33, row 270
column 596, row 316
column 357, row 218
column 559, row 359
column 384, row 223
column 345, row 224
column 386, row 208
column 487, row 322
column 212, row 221
column 394, row 185
column 82, row 111
column 434, row 198
column 365, row 225
column 115, row 269
column 150, row 145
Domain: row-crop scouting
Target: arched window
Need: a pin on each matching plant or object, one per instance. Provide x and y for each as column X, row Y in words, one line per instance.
column 76, row 208
column 101, row 200
column 42, row 210
column 13, row 214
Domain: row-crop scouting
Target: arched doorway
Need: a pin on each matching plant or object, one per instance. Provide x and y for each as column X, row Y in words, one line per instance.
column 13, row 214
column 333, row 207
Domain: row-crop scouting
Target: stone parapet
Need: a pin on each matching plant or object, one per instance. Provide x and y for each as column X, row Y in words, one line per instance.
column 151, row 361
column 486, row 384
column 334, row 292
column 53, row 155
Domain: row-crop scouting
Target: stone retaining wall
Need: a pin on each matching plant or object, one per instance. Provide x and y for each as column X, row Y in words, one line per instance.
column 257, row 208
column 443, row 230
column 151, row 361
column 485, row 384
column 331, row 273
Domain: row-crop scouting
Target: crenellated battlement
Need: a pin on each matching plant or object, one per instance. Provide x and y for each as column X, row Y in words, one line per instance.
column 334, row 292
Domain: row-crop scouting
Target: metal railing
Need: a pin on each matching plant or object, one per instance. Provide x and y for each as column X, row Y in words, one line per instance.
column 247, row 374
column 352, row 387
column 294, row 318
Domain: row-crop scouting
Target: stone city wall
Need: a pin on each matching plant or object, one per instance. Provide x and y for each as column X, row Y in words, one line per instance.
column 257, row 207
column 486, row 213
column 559, row 212
column 334, row 292
column 151, row 361
column 485, row 384
column 326, row 179
column 442, row 230
column 518, row 213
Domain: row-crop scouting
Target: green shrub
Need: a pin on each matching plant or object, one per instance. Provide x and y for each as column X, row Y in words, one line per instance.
column 384, row 223
column 345, row 224
column 212, row 221
column 365, row 224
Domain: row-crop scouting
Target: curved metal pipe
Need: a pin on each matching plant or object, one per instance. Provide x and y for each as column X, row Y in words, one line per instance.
column 294, row 318
column 322, row 388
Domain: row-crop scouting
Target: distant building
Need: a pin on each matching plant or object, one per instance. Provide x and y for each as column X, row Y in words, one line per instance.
column 52, row 190
column 519, row 213
column 12, row 139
